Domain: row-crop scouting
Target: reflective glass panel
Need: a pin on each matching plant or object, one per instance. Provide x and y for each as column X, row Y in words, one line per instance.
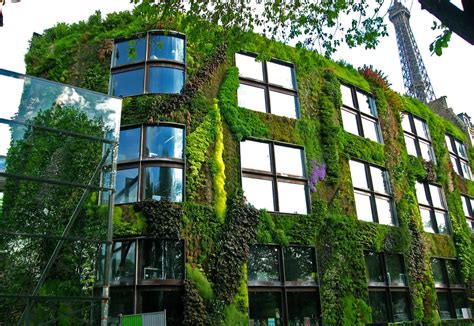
column 347, row 96
column 121, row 301
column 288, row 160
column 255, row 155
column 379, row 180
column 300, row 264
column 374, row 268
column 253, row 98
column 437, row 196
column 395, row 271
column 442, row 221
column 461, row 307
column 448, row 143
column 366, row 104
column 171, row 301
column 165, row 80
column 461, row 149
column 126, row 186
column 378, row 303
column 128, row 52
column 164, row 183
column 164, row 141
column 128, row 83
column 426, row 220
column 265, row 308
column 454, row 275
column 443, row 303
column 167, row 47
column 129, row 146
column 411, row 145
column 363, row 206
column 437, row 268
column 303, row 308
column 259, row 192
column 465, row 200
column 370, row 129
column 466, row 170
column 421, row 128
column 384, row 211
column 248, row 66
column 421, row 194
column 349, row 122
column 358, row 176
column 454, row 161
column 162, row 259
column 292, row 198
column 426, row 151
column 284, row 105
column 406, row 126
column 280, row 75
column 400, row 306
column 123, row 261
column 263, row 264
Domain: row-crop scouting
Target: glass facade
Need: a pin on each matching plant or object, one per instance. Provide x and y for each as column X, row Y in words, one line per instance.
column 268, row 86
column 274, row 176
column 433, row 208
column 154, row 63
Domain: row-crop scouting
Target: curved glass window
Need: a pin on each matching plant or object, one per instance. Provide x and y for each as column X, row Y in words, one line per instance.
column 129, row 146
column 164, row 183
column 152, row 63
column 164, row 141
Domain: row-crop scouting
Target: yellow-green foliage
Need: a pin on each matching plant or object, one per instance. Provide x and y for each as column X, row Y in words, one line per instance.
column 218, row 167
column 200, row 281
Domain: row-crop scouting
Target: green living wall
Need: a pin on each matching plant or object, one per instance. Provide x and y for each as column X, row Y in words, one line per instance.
column 217, row 224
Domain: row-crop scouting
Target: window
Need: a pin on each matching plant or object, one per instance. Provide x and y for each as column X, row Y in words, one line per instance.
column 359, row 114
column 152, row 63
column 388, row 287
column 468, row 208
column 268, row 86
column 372, row 193
column 282, row 286
column 458, row 156
column 150, row 163
column 433, row 209
column 452, row 301
column 147, row 276
column 274, row 176
column 417, row 137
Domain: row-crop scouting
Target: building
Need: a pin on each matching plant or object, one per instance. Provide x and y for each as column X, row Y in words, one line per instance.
column 362, row 199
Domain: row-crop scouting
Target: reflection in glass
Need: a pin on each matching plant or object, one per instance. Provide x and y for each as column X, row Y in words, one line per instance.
column 284, row 104
column 292, row 198
column 370, row 130
column 437, row 268
column 280, row 74
column 363, row 206
column 465, row 205
column 164, row 183
column 255, row 155
column 421, row 128
column 121, row 301
column 427, row 151
column 378, row 304
column 461, row 149
column 358, row 175
column 128, row 83
column 250, row 97
column 437, row 196
column 303, row 308
column 421, row 194
column 263, row 264
column 164, row 141
column 466, row 170
column 454, row 161
column 165, row 80
column 347, row 96
column 259, row 192
column 129, row 52
column 379, row 180
column 400, row 306
column 300, row 264
column 171, row 301
column 123, row 261
column 167, row 47
column 410, row 143
column 441, row 221
column 374, row 268
column 384, row 211
column 426, row 220
column 289, row 160
column 448, row 143
column 248, row 66
column 454, row 276
column 265, row 307
column 366, row 104
column 406, row 126
column 129, row 146
column 126, row 186
column 395, row 271
column 349, row 122
column 461, row 307
column 443, row 304
column 162, row 260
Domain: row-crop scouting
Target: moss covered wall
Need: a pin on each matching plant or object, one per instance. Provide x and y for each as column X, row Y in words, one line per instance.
column 215, row 218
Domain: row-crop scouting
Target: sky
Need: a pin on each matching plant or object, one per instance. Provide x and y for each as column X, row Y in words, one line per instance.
column 451, row 74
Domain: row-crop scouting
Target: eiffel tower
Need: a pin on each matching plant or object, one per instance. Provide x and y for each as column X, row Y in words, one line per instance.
column 415, row 78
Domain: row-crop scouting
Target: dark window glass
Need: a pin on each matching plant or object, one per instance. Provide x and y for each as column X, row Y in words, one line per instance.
column 437, row 271
column 265, row 308
column 263, row 264
column 164, row 183
column 128, row 83
column 165, row 80
column 129, row 146
column 400, row 306
column 303, row 308
column 378, row 303
column 395, row 270
column 171, row 301
column 165, row 142
column 167, row 47
column 300, row 264
column 162, row 259
column 461, row 307
column 126, row 186
column 128, row 52
column 123, row 261
column 374, row 268
column 443, row 303
column 121, row 302
column 454, row 275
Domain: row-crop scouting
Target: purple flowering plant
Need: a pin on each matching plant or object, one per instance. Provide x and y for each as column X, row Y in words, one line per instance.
column 318, row 173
